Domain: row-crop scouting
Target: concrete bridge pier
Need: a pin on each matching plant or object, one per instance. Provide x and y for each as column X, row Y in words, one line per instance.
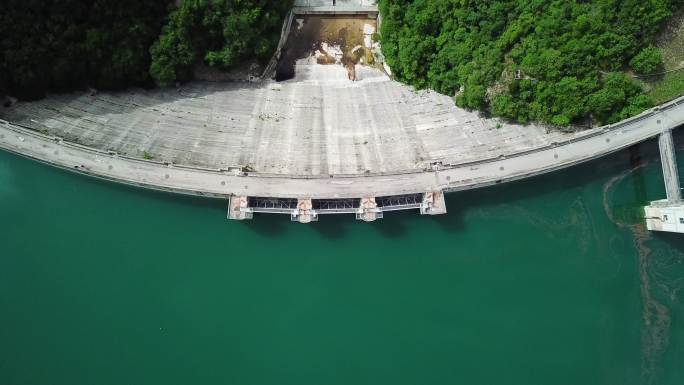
column 238, row 208
column 304, row 213
column 368, row 210
column 667, row 214
column 433, row 203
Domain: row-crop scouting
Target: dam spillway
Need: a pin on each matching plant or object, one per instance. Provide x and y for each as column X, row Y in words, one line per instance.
column 317, row 138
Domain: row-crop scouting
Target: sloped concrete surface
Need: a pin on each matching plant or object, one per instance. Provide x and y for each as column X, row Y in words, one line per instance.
column 223, row 183
column 317, row 124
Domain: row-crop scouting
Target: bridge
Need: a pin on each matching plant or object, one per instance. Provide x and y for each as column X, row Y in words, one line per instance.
column 316, row 144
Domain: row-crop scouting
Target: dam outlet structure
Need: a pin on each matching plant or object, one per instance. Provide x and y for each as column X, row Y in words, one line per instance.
column 367, row 209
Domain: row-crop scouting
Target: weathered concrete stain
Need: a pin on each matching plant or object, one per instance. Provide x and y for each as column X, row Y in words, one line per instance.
column 345, row 41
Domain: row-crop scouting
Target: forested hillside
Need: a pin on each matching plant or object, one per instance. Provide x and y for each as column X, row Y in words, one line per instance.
column 555, row 61
column 65, row 44
column 222, row 33
column 61, row 45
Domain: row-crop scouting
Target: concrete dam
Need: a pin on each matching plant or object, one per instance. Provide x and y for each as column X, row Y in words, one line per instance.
column 324, row 130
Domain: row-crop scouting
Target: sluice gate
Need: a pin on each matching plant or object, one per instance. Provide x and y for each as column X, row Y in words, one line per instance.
column 305, row 210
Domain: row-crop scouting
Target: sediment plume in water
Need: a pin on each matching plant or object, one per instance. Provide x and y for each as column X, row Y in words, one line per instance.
column 656, row 319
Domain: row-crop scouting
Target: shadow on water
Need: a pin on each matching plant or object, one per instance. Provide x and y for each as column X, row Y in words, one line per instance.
column 573, row 178
column 623, row 202
column 333, row 227
column 569, row 179
column 673, row 240
column 216, row 204
column 394, row 224
column 267, row 225
column 636, row 159
column 452, row 222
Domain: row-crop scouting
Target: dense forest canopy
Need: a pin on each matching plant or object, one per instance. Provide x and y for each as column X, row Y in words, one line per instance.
column 555, row 61
column 61, row 45
column 222, row 33
column 65, row 44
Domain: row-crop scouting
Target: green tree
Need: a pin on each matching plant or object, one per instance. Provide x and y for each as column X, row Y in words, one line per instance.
column 221, row 33
column 50, row 45
column 618, row 98
column 527, row 60
column 647, row 61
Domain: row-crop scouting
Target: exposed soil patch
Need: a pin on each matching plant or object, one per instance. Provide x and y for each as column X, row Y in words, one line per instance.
column 345, row 41
column 670, row 83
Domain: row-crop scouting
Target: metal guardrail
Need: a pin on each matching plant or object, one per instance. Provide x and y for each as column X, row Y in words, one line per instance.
column 272, row 204
column 399, row 202
column 335, row 204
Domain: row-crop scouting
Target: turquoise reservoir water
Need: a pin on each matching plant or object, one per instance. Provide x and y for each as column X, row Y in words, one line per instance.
column 547, row 281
